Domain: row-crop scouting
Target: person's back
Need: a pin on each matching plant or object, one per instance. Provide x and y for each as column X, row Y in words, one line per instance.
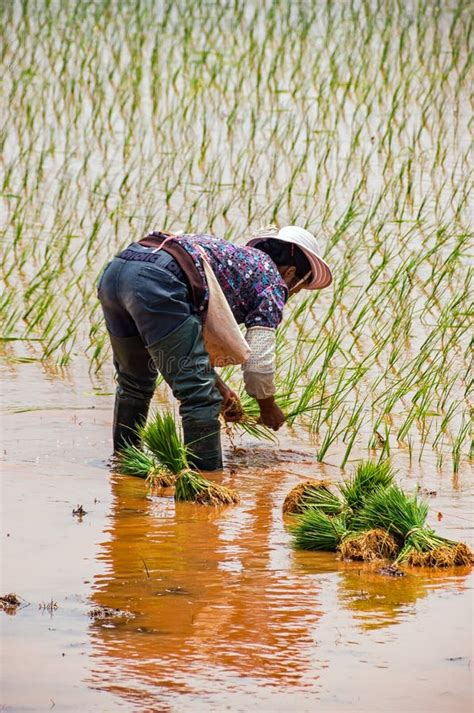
column 249, row 278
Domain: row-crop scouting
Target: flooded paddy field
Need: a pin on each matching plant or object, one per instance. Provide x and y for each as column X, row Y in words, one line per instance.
column 216, row 610
column 351, row 119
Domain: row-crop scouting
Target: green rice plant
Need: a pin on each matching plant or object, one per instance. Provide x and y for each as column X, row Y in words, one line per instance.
column 334, row 430
column 375, row 163
column 315, row 530
column 464, row 430
column 133, row 461
column 367, row 478
column 404, row 517
column 312, row 494
column 352, row 430
column 324, row 522
column 162, row 438
column 250, row 422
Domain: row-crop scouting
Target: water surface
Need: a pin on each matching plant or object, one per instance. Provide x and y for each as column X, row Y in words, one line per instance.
column 224, row 615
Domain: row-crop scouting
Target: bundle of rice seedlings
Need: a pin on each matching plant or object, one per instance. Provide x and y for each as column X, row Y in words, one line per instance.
column 246, row 415
column 192, row 487
column 312, row 493
column 162, row 438
column 458, row 555
column 367, row 478
column 314, row 530
column 404, row 518
column 133, row 461
column 369, row 546
column 233, row 412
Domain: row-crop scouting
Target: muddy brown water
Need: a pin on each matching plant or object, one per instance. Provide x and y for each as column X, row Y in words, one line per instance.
column 224, row 615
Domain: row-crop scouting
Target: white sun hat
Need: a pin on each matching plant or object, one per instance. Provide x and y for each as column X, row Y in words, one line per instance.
column 320, row 273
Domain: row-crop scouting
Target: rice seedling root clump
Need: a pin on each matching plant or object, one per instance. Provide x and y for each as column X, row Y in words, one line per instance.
column 191, row 486
column 160, row 478
column 311, row 493
column 9, row 603
column 458, row 555
column 375, row 544
column 404, row 517
column 375, row 520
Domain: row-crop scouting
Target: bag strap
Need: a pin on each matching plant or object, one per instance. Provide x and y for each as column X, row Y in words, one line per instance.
column 156, row 240
column 171, row 245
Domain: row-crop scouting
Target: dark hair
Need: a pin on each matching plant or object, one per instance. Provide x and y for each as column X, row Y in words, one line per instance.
column 285, row 254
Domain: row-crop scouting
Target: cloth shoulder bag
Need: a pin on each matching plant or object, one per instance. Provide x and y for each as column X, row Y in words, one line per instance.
column 223, row 339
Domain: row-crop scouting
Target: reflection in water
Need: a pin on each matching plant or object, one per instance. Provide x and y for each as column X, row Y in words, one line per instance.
column 379, row 601
column 207, row 590
column 223, row 605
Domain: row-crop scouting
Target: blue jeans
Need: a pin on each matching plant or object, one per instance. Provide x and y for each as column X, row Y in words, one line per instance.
column 153, row 327
column 143, row 298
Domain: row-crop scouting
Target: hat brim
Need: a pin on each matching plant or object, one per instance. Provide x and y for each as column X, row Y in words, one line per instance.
column 321, row 274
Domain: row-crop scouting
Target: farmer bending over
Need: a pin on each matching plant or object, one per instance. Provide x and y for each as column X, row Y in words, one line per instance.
column 155, row 298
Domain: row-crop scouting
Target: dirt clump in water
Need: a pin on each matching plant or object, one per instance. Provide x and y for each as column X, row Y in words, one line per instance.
column 391, row 571
column 104, row 613
column 9, row 603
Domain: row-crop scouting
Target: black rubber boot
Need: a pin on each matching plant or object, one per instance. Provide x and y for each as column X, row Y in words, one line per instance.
column 204, row 443
column 182, row 359
column 129, row 414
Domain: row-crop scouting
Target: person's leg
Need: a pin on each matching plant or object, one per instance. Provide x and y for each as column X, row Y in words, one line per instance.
column 160, row 306
column 136, row 378
column 183, row 361
column 135, row 371
column 144, row 302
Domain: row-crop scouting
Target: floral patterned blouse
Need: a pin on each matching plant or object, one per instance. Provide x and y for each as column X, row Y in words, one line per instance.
column 249, row 278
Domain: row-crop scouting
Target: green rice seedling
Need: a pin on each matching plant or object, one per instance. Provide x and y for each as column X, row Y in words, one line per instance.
column 404, row 517
column 162, row 438
column 133, row 461
column 249, row 419
column 367, row 478
column 334, row 430
column 315, row 530
column 312, row 494
column 352, row 430
column 390, row 185
column 464, row 431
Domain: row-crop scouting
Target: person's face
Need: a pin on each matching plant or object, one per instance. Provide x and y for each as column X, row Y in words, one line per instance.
column 294, row 283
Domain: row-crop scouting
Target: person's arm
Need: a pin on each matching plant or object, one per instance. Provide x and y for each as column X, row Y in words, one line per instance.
column 259, row 375
column 262, row 319
column 231, row 408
